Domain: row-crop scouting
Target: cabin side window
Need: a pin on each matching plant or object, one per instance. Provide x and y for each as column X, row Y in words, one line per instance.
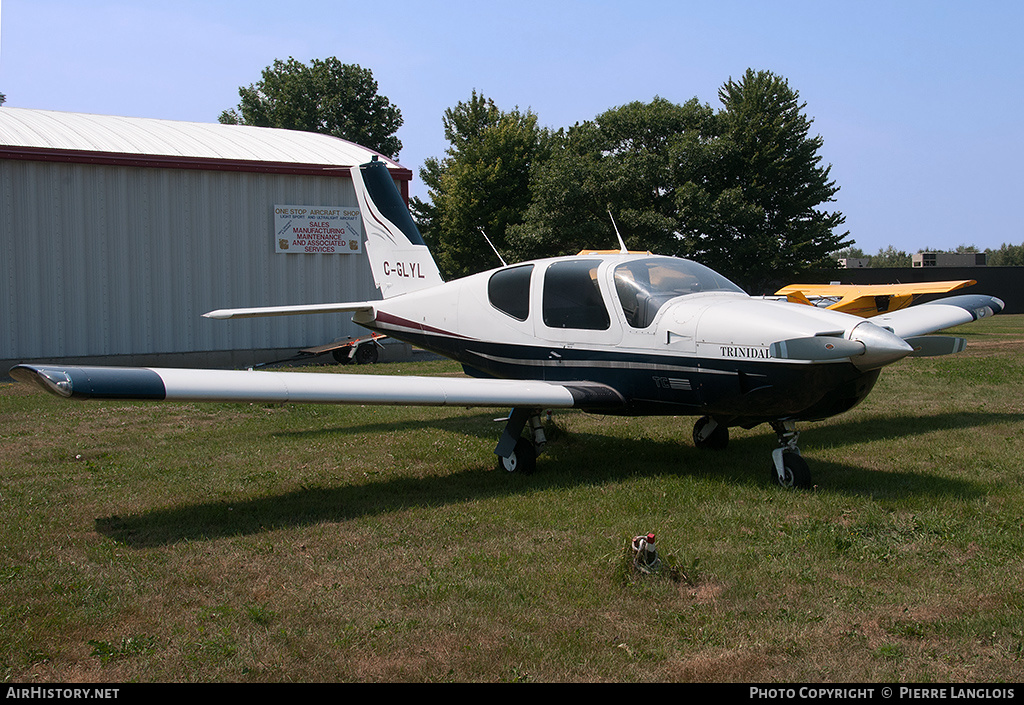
column 572, row 297
column 509, row 291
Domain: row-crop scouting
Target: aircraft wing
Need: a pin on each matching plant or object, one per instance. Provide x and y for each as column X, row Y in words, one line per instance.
column 868, row 300
column 938, row 315
column 172, row 384
column 224, row 313
column 874, row 289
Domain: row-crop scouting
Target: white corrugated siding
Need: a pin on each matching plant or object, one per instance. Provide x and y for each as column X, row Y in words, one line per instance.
column 119, row 260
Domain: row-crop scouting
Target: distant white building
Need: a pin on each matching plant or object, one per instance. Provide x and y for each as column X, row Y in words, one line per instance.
column 946, row 259
column 117, row 234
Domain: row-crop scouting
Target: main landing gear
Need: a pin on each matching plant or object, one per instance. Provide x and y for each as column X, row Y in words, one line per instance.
column 788, row 468
column 518, row 453
column 515, row 452
column 709, row 434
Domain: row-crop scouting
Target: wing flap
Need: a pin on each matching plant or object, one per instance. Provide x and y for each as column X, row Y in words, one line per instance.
column 172, row 384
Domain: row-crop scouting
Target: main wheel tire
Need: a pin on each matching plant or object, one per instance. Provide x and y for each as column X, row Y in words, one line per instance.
column 718, row 439
column 523, row 459
column 366, row 354
column 796, row 473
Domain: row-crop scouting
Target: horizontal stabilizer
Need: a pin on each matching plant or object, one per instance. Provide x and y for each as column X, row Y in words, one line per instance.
column 816, row 348
column 935, row 345
column 225, row 313
column 172, row 384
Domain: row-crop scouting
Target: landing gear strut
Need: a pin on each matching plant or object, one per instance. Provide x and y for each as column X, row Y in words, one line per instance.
column 515, row 452
column 708, row 433
column 789, row 469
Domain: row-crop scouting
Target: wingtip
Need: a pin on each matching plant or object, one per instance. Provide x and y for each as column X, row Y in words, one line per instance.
column 53, row 380
column 978, row 305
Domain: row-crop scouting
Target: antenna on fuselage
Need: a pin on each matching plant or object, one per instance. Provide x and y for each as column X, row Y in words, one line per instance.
column 622, row 245
column 503, row 263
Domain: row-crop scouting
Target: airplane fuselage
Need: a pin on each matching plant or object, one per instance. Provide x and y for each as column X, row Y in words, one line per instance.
column 670, row 336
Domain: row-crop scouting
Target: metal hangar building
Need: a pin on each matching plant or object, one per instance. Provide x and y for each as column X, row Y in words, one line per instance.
column 117, row 234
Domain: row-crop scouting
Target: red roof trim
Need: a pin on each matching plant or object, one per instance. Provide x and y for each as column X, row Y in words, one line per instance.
column 157, row 161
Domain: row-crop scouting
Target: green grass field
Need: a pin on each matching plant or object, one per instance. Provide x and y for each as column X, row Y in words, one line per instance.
column 233, row 542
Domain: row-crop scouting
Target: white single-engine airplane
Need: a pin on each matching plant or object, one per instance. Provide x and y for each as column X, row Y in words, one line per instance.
column 619, row 333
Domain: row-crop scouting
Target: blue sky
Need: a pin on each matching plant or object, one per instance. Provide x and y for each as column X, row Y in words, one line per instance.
column 919, row 103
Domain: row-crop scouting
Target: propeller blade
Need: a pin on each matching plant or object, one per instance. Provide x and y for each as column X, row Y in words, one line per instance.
column 934, row 345
column 816, row 348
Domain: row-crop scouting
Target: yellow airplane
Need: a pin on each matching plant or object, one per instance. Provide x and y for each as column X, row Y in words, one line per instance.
column 866, row 300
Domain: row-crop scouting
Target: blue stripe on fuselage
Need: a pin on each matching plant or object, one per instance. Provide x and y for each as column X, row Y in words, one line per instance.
column 670, row 384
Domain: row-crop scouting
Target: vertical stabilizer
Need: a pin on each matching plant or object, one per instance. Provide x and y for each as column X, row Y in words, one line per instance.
column 399, row 258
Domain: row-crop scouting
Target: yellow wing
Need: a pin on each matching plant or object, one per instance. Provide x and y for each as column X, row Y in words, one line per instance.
column 867, row 300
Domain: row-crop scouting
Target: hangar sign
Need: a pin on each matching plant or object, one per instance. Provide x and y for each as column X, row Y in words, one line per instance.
column 326, row 230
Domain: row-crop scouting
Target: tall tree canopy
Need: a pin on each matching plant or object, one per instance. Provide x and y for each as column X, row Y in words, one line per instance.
column 749, row 201
column 619, row 167
column 481, row 187
column 325, row 96
column 740, row 189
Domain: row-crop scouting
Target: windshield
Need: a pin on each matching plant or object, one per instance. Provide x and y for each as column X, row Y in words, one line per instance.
column 644, row 285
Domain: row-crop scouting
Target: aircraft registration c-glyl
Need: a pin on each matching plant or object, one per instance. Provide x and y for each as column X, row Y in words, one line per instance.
column 606, row 332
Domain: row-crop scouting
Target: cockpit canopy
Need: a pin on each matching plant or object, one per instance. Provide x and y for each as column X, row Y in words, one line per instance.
column 645, row 285
column 572, row 297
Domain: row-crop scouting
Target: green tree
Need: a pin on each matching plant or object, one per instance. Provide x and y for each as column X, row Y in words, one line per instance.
column 964, row 249
column 851, row 253
column 482, row 185
column 891, row 257
column 1006, row 256
column 325, row 96
column 619, row 166
column 749, row 200
column 740, row 190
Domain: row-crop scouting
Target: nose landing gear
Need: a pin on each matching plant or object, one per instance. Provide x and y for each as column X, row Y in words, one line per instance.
column 789, row 469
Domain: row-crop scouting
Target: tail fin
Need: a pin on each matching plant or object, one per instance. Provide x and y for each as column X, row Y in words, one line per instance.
column 399, row 258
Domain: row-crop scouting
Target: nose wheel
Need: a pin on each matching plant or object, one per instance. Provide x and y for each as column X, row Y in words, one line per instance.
column 789, row 469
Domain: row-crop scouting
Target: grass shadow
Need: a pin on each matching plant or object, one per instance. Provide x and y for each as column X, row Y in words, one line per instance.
column 884, row 427
column 573, row 459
